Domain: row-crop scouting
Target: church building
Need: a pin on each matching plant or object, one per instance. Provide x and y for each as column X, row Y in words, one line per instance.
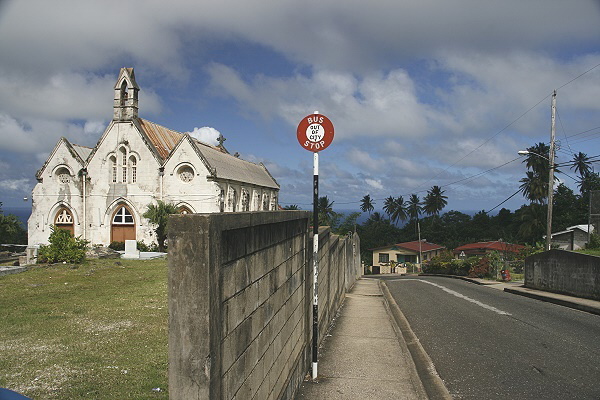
column 101, row 193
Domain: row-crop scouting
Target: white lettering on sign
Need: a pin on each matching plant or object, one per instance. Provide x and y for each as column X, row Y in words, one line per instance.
column 314, row 145
column 315, row 132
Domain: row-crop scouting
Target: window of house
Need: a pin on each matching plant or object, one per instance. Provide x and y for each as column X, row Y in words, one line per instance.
column 113, row 166
column 384, row 257
column 63, row 217
column 184, row 210
column 63, row 175
column 123, row 216
column 133, row 164
column 186, row 173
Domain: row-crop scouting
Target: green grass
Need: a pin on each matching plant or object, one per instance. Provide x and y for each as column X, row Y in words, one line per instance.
column 96, row 331
column 591, row 252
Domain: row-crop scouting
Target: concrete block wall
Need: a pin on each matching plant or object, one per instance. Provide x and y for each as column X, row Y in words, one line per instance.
column 564, row 272
column 240, row 301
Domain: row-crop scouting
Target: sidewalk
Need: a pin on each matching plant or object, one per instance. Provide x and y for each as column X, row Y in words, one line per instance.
column 364, row 355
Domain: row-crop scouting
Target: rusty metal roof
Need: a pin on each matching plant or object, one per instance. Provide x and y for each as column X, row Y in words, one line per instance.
column 163, row 139
column 222, row 164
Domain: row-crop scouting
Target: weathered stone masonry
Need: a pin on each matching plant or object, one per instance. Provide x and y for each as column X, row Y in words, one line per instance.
column 240, row 301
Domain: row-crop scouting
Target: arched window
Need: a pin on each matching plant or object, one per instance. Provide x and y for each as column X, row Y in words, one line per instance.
column 63, row 175
column 222, row 200
column 113, row 166
column 232, row 200
column 123, row 225
column 133, row 165
column 64, row 220
column 123, row 216
column 185, row 173
column 123, row 93
column 184, row 210
column 123, row 161
column 245, row 200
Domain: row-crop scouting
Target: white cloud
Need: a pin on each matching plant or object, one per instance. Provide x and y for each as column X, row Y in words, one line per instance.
column 206, row 134
column 374, row 183
column 15, row 184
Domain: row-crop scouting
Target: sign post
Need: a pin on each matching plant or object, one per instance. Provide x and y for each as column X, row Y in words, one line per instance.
column 315, row 133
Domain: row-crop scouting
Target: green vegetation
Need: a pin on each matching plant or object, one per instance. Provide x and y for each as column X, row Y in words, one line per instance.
column 63, row 247
column 93, row 331
column 158, row 214
column 11, row 229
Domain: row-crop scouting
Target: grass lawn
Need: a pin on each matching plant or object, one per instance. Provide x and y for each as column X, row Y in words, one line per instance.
column 93, row 331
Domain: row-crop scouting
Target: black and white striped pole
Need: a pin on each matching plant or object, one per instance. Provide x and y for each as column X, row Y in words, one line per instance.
column 315, row 133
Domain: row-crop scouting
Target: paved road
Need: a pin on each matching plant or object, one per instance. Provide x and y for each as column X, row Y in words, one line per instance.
column 488, row 344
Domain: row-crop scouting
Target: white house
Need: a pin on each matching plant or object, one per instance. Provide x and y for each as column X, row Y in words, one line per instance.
column 573, row 238
column 101, row 193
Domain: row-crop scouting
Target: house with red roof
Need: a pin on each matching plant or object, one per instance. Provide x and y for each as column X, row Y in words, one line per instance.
column 483, row 248
column 394, row 258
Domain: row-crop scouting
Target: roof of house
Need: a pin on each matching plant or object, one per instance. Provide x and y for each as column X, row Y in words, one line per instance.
column 582, row 227
column 220, row 163
column 83, row 151
column 495, row 245
column 413, row 246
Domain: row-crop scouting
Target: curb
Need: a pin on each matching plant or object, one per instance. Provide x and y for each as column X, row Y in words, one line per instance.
column 12, row 270
column 560, row 302
column 431, row 381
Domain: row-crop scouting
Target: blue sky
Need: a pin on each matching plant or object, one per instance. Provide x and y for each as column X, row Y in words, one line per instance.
column 421, row 93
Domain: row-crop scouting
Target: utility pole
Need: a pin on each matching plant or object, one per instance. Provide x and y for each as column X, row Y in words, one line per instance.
column 551, row 175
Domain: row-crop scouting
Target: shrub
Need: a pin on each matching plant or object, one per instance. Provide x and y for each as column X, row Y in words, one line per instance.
column 117, row 246
column 141, row 246
column 481, row 268
column 63, row 247
column 594, row 242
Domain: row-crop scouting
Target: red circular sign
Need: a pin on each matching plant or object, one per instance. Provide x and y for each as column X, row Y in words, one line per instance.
column 315, row 132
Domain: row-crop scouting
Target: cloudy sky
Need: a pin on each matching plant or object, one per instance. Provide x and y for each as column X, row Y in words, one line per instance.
column 421, row 93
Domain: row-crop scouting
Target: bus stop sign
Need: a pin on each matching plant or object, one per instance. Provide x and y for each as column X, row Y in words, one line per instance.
column 315, row 132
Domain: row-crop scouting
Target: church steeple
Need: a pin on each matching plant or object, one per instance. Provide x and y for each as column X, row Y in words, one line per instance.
column 126, row 96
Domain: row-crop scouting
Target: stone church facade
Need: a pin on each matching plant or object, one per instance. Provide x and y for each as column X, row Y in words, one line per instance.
column 101, row 193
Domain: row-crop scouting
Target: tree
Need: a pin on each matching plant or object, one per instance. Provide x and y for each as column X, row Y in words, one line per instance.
column 435, row 201
column 325, row 210
column 388, row 206
column 11, row 229
column 534, row 188
column 533, row 223
column 535, row 184
column 399, row 211
column 581, row 164
column 158, row 214
column 414, row 209
column 291, row 207
column 367, row 204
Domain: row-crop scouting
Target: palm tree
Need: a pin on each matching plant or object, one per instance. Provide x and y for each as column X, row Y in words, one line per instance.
column 534, row 188
column 388, row 206
column 533, row 223
column 581, row 164
column 535, row 184
column 367, row 204
column 291, row 207
column 414, row 208
column 325, row 210
column 158, row 214
column 399, row 211
column 435, row 201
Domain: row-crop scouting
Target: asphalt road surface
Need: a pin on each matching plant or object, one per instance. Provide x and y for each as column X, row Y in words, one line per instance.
column 488, row 344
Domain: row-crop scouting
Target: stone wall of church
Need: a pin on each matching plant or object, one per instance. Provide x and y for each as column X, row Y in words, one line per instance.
column 61, row 187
